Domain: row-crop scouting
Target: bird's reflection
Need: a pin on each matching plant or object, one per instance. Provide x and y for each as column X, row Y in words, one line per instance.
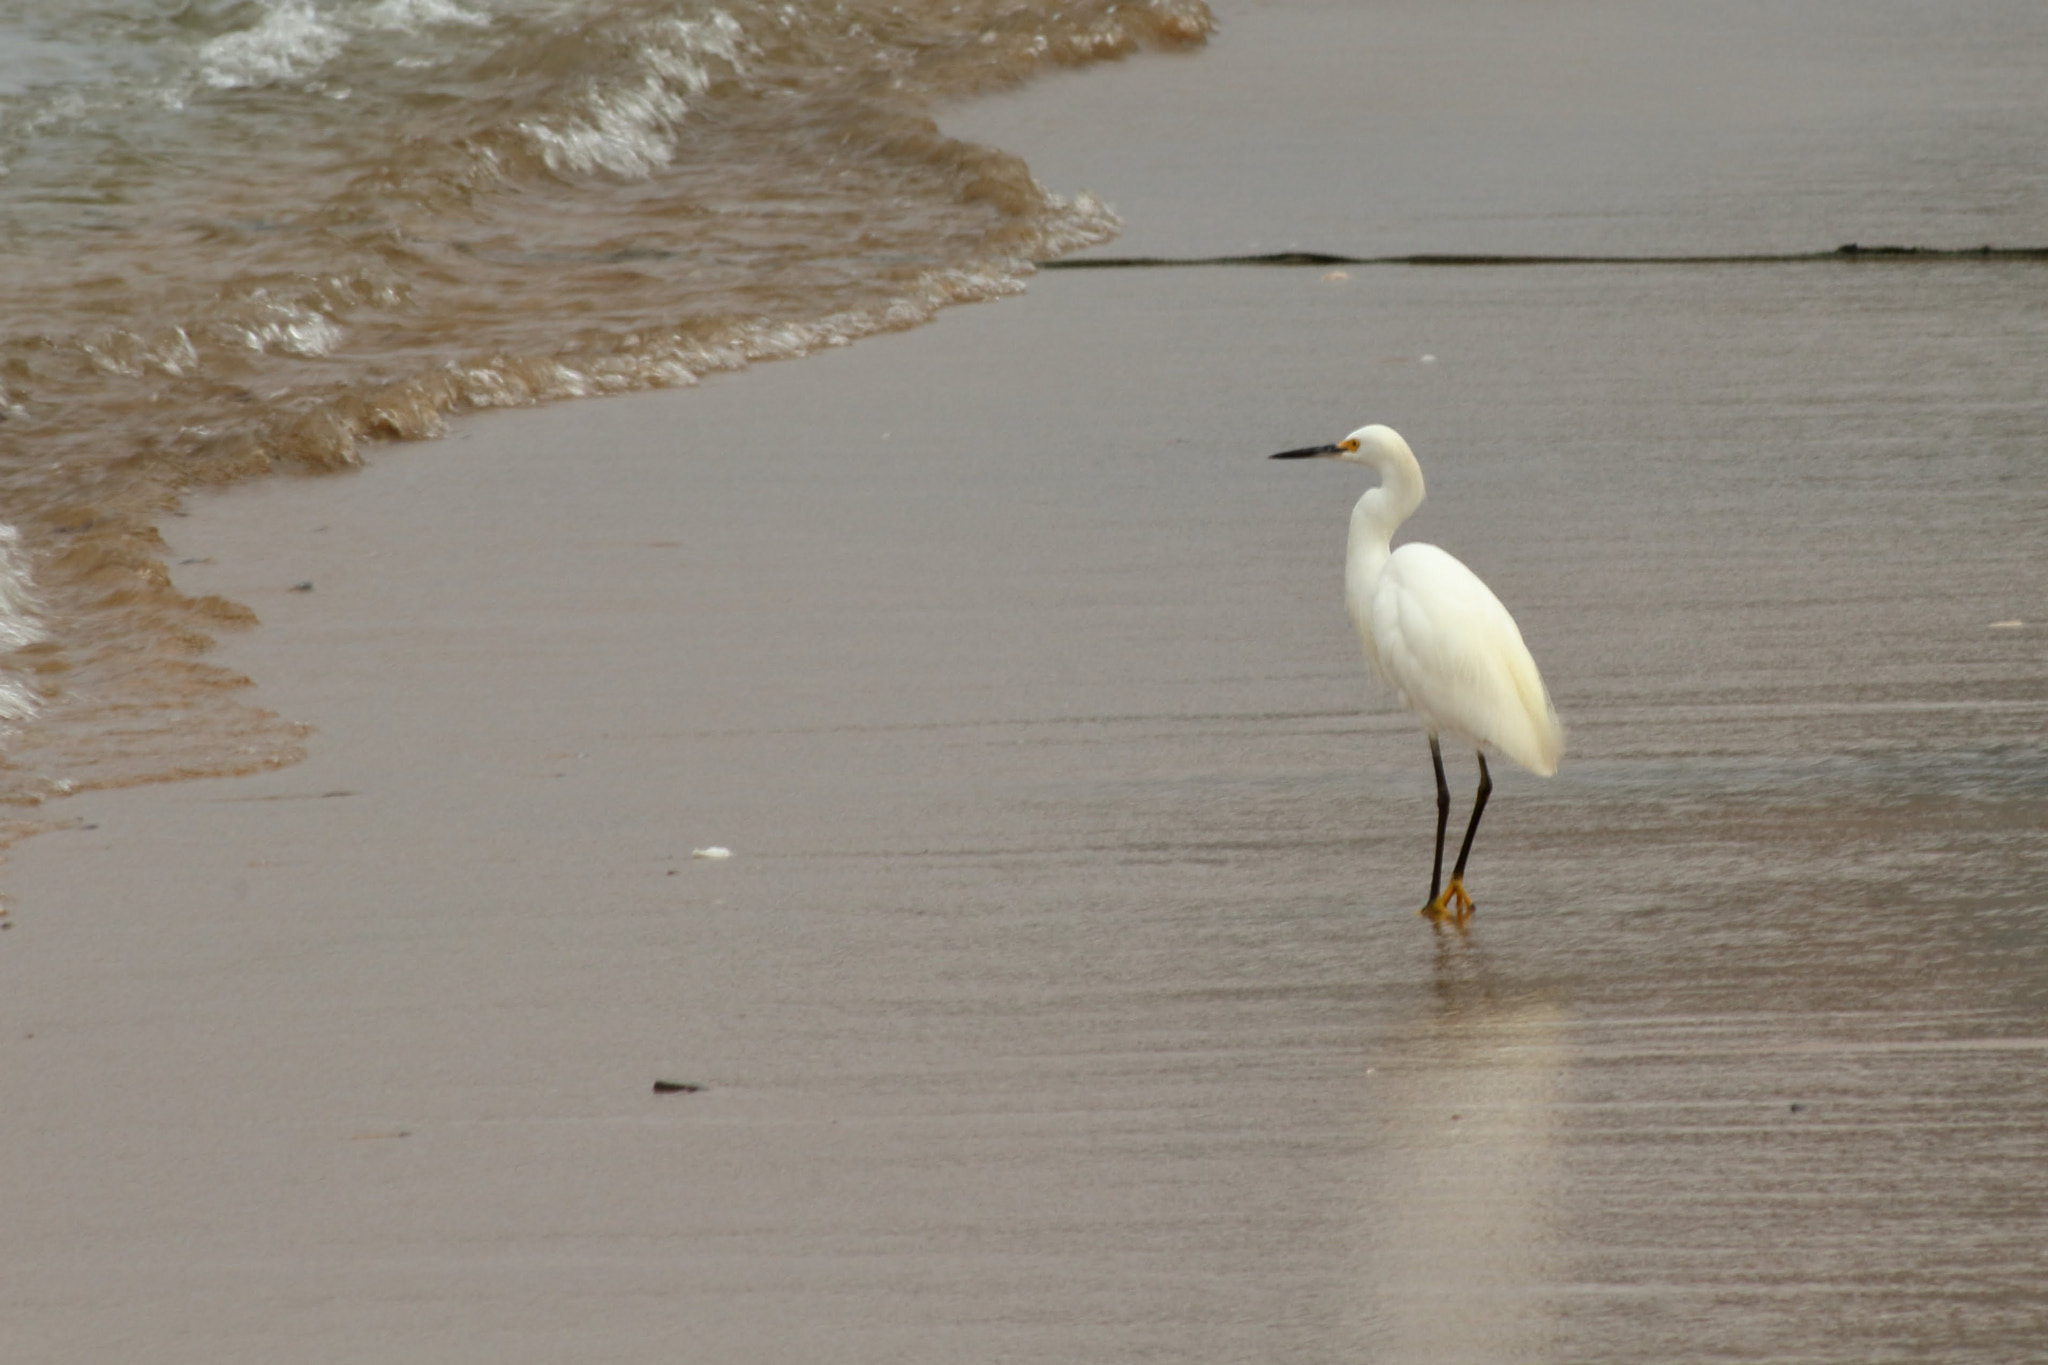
column 1462, row 1189
column 1463, row 979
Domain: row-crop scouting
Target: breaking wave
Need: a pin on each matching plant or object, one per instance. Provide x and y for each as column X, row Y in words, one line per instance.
column 252, row 234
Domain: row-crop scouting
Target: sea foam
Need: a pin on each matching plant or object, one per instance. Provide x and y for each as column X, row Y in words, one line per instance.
column 289, row 42
column 19, row 627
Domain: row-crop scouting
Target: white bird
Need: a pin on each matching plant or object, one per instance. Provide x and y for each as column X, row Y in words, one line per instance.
column 1436, row 634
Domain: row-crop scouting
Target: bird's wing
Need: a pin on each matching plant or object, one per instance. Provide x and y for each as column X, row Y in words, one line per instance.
column 1445, row 642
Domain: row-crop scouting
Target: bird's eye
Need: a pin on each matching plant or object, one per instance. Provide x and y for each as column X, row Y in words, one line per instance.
column 1347, row 445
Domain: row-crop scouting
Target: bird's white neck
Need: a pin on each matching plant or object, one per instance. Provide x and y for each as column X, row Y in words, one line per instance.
column 1380, row 513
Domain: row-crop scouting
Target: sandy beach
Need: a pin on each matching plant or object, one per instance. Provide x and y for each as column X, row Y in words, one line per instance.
column 1063, row 998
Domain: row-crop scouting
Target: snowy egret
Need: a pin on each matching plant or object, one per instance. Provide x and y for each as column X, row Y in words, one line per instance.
column 1439, row 637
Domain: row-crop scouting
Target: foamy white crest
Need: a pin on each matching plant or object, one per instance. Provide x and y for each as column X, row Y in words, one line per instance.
column 176, row 354
column 66, row 107
column 409, row 16
column 628, row 129
column 18, row 702
column 290, row 41
column 1071, row 224
column 278, row 325
column 625, row 132
column 127, row 353
column 682, row 45
column 684, row 360
column 18, row 626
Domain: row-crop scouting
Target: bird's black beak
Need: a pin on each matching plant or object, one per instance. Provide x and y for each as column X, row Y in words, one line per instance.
column 1307, row 453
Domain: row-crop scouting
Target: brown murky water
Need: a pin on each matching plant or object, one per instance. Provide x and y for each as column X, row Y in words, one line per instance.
column 243, row 237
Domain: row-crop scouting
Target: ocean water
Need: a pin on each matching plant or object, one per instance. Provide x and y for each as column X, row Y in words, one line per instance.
column 238, row 236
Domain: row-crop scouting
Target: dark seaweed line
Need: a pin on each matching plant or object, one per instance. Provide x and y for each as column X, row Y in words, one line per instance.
column 1849, row 252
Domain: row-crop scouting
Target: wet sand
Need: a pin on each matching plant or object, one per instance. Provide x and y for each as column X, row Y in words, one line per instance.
column 1063, row 998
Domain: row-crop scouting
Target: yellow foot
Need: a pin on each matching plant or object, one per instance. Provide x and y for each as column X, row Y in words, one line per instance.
column 1453, row 907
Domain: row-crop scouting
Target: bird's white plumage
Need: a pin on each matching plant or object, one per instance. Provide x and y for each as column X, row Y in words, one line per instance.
column 1440, row 638
column 1432, row 629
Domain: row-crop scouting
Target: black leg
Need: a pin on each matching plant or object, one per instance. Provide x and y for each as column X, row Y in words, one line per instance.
column 1443, row 816
column 1478, row 805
